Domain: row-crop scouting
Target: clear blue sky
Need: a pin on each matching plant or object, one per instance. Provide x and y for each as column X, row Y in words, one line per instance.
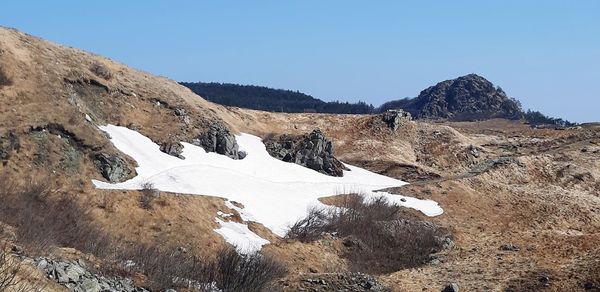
column 545, row 53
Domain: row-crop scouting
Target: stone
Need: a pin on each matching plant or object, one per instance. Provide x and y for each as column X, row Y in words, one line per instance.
column 395, row 118
column 312, row 150
column 218, row 139
column 101, row 71
column 90, row 285
column 113, row 168
column 451, row 287
column 172, row 148
column 509, row 247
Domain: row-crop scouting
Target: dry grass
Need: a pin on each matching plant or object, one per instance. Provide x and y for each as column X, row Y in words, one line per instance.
column 377, row 240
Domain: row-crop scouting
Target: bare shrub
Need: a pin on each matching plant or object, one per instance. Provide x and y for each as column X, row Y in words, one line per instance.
column 101, row 71
column 43, row 220
column 169, row 268
column 149, row 193
column 252, row 272
column 377, row 239
column 13, row 275
column 4, row 80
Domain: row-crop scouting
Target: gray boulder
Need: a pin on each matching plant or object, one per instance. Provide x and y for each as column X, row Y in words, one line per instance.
column 172, row 148
column 113, row 168
column 395, row 118
column 313, row 151
column 451, row 287
column 218, row 139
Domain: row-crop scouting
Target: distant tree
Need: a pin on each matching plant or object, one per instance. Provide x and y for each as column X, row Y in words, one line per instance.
column 275, row 100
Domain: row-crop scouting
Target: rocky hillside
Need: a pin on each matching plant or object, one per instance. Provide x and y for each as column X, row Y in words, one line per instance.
column 521, row 204
column 468, row 97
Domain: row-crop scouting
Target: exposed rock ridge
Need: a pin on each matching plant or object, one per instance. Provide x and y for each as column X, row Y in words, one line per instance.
column 312, row 150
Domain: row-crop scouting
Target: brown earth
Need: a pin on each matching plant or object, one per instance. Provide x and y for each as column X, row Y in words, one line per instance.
column 498, row 181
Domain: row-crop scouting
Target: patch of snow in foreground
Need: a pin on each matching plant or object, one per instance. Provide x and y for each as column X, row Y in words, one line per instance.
column 273, row 193
column 238, row 235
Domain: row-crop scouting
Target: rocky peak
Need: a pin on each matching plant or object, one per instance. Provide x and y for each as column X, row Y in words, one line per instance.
column 468, row 97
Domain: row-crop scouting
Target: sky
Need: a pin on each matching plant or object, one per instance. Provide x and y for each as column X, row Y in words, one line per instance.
column 544, row 53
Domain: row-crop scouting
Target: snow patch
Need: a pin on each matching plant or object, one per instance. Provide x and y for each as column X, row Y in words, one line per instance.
column 273, row 193
column 238, row 235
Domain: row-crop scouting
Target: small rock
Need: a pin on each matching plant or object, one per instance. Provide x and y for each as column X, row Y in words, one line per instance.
column 509, row 247
column 451, row 287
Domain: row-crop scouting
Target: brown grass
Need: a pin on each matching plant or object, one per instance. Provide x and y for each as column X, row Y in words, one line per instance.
column 377, row 240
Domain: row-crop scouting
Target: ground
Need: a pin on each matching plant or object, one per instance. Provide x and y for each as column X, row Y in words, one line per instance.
column 499, row 182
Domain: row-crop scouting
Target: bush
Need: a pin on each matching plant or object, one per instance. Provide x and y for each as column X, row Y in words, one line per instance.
column 43, row 220
column 13, row 276
column 149, row 193
column 377, row 239
column 171, row 268
column 4, row 80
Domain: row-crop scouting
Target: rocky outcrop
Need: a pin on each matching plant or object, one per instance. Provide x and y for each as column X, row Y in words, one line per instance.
column 218, row 139
column 113, row 168
column 172, row 148
column 313, row 151
column 395, row 118
column 469, row 97
column 76, row 276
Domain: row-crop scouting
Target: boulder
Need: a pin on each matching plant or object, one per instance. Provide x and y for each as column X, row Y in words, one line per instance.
column 395, row 118
column 172, row 148
column 313, row 151
column 113, row 168
column 451, row 287
column 218, row 139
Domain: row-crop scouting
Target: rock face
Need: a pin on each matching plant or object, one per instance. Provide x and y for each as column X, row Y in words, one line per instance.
column 312, row 150
column 75, row 276
column 469, row 97
column 172, row 148
column 113, row 168
column 395, row 118
column 218, row 139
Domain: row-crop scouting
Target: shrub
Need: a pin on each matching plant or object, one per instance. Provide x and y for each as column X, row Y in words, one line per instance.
column 170, row 268
column 13, row 275
column 149, row 193
column 43, row 220
column 4, row 80
column 377, row 239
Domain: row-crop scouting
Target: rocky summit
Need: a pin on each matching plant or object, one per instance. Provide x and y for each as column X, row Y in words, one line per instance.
column 469, row 97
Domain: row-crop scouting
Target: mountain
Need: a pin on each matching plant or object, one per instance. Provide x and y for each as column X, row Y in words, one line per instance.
column 468, row 97
column 273, row 100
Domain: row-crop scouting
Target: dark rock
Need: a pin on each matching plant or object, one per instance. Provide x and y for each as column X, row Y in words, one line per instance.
column 313, row 151
column 218, row 139
column 395, row 118
column 509, row 247
column 172, row 148
column 469, row 97
column 451, row 287
column 113, row 168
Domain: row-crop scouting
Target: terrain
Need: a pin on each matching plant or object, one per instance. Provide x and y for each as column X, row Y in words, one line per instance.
column 521, row 204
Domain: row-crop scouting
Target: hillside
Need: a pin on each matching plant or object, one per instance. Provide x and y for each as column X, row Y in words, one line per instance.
column 112, row 178
column 273, row 100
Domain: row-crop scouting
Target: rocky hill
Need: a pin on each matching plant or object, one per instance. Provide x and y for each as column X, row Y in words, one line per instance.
column 469, row 97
